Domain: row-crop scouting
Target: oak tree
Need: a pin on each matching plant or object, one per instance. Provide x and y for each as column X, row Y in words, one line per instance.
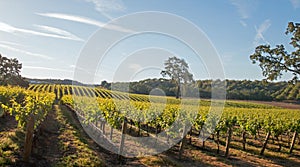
column 275, row 61
column 178, row 70
column 10, row 72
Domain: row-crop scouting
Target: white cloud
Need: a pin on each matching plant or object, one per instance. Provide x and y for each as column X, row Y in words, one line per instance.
column 108, row 5
column 295, row 3
column 46, row 68
column 10, row 43
column 74, row 18
column 60, row 32
column 14, row 30
column 242, row 8
column 84, row 20
column 135, row 67
column 259, row 32
column 25, row 52
column 105, row 6
column 244, row 24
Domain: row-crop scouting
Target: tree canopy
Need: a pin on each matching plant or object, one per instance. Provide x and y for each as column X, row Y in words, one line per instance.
column 235, row 89
column 10, row 72
column 178, row 71
column 275, row 61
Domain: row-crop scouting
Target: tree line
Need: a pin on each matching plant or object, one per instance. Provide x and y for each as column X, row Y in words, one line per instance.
column 235, row 89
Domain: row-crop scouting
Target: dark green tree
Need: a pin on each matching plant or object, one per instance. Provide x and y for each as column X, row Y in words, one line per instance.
column 10, row 72
column 105, row 84
column 275, row 61
column 178, row 70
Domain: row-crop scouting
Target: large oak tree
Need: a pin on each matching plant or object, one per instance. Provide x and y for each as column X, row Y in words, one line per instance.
column 275, row 61
column 178, row 70
column 10, row 72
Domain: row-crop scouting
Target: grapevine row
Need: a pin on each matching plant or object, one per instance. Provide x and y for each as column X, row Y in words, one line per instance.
column 244, row 121
column 22, row 103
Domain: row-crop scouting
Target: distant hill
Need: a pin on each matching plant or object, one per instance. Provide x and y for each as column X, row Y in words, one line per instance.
column 54, row 81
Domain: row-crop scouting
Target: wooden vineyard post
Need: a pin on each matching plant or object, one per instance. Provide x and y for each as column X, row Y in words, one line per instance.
column 228, row 139
column 190, row 135
column 111, row 133
column 218, row 141
column 293, row 142
column 103, row 127
column 279, row 143
column 182, row 143
column 156, row 135
column 124, row 127
column 244, row 140
column 28, row 138
column 139, row 128
column 265, row 143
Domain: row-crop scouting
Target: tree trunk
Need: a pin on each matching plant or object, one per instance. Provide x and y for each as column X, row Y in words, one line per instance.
column 228, row 139
column 293, row 142
column 178, row 91
column 265, row 143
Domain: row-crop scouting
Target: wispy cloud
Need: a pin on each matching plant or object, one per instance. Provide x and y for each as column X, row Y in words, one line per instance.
column 106, row 6
column 135, row 67
column 84, row 20
column 47, row 68
column 295, row 3
column 85, row 71
column 244, row 9
column 60, row 32
column 14, row 30
column 10, row 43
column 74, row 18
column 25, row 52
column 243, row 23
column 259, row 32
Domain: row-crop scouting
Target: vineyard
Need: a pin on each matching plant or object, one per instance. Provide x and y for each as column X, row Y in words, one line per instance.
column 238, row 118
column 116, row 119
column 29, row 109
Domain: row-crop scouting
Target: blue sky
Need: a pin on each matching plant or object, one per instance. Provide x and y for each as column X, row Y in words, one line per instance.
column 48, row 36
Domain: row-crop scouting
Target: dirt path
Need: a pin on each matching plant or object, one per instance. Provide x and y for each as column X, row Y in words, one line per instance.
column 280, row 104
column 109, row 157
column 273, row 103
column 62, row 141
column 46, row 150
